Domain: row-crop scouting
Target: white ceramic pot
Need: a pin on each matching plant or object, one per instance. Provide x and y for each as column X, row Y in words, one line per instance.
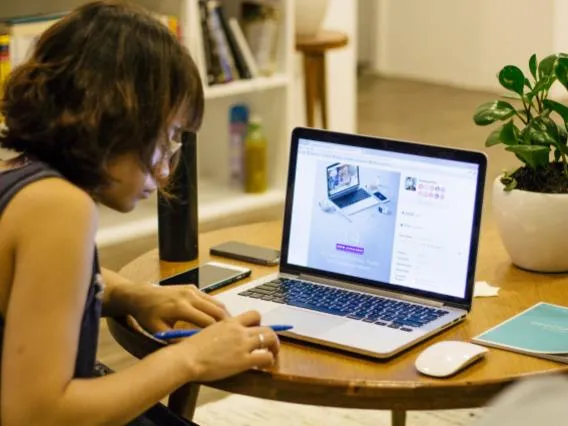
column 533, row 228
column 309, row 16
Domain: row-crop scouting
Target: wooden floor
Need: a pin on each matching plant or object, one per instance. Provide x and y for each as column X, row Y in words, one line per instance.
column 389, row 108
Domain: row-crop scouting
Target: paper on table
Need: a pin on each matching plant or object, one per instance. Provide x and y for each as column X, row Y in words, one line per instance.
column 483, row 289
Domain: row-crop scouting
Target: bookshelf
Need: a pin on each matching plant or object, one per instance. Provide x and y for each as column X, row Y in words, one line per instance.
column 220, row 202
column 241, row 87
column 20, row 8
column 219, row 206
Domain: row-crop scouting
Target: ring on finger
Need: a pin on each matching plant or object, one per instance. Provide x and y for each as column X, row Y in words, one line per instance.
column 260, row 341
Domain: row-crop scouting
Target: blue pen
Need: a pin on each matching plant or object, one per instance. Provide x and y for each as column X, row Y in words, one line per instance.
column 175, row 334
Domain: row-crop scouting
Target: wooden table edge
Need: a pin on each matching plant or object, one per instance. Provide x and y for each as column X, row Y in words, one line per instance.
column 434, row 394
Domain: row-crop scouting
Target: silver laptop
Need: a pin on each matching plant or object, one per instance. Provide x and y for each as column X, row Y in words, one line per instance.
column 396, row 273
column 344, row 189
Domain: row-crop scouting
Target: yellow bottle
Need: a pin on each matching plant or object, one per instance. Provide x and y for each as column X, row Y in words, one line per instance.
column 256, row 179
column 4, row 64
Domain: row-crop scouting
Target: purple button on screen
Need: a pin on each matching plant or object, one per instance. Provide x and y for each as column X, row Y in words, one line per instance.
column 349, row 249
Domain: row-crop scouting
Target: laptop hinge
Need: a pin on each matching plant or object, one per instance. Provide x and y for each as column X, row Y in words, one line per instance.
column 366, row 289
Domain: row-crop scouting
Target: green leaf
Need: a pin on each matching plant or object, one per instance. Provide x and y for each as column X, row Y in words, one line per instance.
column 493, row 111
column 543, row 84
column 512, row 78
column 562, row 134
column 528, row 83
column 494, row 137
column 525, row 138
column 540, row 137
column 529, row 97
column 533, row 65
column 561, row 71
column 557, row 107
column 508, row 134
column 562, row 148
column 548, row 125
column 534, row 156
column 546, row 66
column 542, row 131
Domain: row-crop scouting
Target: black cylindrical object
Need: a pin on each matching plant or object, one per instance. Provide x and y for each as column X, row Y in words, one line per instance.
column 177, row 215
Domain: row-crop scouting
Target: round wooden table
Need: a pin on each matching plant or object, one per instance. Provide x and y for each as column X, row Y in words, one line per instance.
column 313, row 375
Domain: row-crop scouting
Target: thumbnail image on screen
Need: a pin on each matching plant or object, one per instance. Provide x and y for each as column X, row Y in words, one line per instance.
column 341, row 176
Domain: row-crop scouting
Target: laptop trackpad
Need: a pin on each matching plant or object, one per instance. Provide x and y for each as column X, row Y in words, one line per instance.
column 305, row 323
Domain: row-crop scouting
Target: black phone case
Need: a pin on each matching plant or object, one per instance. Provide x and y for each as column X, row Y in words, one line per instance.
column 244, row 258
column 210, row 288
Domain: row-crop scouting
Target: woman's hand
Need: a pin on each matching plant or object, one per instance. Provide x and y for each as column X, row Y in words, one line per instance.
column 158, row 308
column 230, row 347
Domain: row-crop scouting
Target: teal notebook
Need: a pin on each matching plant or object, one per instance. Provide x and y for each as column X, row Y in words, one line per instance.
column 541, row 331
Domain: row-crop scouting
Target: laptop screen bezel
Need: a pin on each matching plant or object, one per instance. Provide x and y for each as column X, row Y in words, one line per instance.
column 397, row 146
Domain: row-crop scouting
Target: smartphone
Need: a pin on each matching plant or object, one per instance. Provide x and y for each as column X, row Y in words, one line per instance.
column 382, row 197
column 247, row 253
column 209, row 276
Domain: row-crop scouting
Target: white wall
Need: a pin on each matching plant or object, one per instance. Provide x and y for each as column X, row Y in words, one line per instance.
column 341, row 71
column 466, row 42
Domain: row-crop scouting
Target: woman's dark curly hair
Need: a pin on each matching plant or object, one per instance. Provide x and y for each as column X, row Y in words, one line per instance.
column 105, row 80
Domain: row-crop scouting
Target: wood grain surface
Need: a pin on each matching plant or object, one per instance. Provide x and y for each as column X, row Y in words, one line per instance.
column 322, row 41
column 315, row 375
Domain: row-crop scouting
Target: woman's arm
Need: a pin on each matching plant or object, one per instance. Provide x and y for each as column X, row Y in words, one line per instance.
column 55, row 225
column 159, row 308
column 112, row 307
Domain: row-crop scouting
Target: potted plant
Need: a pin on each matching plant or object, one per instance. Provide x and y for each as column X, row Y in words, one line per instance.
column 531, row 202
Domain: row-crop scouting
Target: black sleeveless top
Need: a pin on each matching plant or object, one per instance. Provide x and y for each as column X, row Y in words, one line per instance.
column 12, row 181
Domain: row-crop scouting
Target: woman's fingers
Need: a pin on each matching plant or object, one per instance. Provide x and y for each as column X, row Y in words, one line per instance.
column 263, row 338
column 249, row 318
column 261, row 359
column 196, row 317
column 206, row 307
column 203, row 309
column 156, row 325
column 216, row 302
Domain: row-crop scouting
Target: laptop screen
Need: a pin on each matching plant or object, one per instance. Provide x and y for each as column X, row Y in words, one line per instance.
column 341, row 178
column 413, row 231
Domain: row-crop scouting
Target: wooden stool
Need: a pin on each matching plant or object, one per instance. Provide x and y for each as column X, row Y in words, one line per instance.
column 313, row 49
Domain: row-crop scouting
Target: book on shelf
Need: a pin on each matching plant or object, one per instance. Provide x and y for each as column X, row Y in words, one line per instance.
column 224, row 50
column 260, row 21
column 225, row 55
column 540, row 331
column 242, row 43
column 172, row 22
column 215, row 47
column 24, row 32
column 4, row 64
column 211, row 68
column 235, row 49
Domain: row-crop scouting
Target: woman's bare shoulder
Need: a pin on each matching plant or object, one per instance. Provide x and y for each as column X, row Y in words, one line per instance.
column 50, row 198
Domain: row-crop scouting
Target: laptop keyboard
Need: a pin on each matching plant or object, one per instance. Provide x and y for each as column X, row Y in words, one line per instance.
column 351, row 198
column 335, row 301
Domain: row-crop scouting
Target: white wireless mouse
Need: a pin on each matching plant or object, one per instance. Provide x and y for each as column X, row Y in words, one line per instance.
column 326, row 206
column 442, row 359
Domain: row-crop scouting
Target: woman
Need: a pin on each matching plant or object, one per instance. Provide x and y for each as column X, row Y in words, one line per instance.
column 92, row 114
